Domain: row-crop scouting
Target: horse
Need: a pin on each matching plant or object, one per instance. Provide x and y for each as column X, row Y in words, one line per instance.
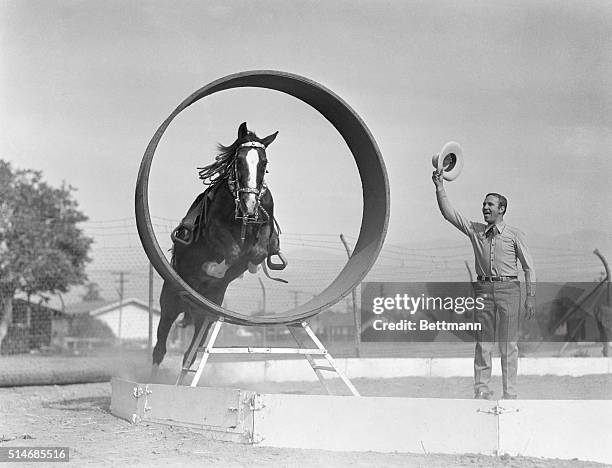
column 230, row 228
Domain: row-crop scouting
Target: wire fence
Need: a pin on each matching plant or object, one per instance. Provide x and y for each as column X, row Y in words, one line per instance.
column 119, row 305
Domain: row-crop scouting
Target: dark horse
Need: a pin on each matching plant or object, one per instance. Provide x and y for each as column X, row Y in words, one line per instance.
column 230, row 228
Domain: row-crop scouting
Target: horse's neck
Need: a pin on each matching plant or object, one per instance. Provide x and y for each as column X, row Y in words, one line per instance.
column 220, row 187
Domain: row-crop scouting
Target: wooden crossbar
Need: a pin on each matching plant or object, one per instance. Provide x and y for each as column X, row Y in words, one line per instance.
column 252, row 350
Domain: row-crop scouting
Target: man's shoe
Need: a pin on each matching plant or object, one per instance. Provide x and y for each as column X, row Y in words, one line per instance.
column 508, row 397
column 483, row 395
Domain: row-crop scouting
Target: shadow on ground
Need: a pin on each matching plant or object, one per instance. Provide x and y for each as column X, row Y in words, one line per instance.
column 81, row 404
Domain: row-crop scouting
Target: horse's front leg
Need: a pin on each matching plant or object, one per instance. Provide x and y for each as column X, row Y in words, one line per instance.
column 226, row 249
column 260, row 249
column 170, row 305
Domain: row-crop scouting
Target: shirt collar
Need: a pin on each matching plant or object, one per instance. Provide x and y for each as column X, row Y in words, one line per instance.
column 500, row 227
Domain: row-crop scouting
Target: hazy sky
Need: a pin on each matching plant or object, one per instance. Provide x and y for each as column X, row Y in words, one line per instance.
column 524, row 86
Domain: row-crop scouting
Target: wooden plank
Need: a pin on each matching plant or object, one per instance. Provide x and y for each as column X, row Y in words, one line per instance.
column 195, row 406
column 557, row 429
column 217, row 413
column 127, row 400
column 381, row 424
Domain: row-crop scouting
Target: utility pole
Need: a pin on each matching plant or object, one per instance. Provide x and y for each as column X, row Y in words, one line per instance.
column 295, row 297
column 122, row 280
column 295, row 293
column 263, row 310
column 354, row 297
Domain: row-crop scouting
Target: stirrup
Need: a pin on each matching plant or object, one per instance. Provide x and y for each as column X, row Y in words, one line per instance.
column 277, row 266
column 175, row 237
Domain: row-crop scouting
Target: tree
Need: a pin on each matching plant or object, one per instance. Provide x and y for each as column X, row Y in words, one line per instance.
column 42, row 251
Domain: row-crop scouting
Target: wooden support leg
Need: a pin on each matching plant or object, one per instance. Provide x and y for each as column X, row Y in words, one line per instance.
column 311, row 361
column 192, row 351
column 212, row 337
column 330, row 360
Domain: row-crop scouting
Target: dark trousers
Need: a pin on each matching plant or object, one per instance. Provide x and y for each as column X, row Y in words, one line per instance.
column 499, row 320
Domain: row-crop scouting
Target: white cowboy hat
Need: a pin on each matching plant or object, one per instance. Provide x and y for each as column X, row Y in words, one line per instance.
column 451, row 162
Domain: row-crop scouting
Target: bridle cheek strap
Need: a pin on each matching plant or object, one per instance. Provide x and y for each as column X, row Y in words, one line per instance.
column 258, row 192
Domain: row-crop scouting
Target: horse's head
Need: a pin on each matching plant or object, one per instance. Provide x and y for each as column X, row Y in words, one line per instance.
column 243, row 165
column 250, row 163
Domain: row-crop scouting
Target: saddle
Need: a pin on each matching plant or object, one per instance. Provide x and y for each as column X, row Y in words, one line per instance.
column 190, row 227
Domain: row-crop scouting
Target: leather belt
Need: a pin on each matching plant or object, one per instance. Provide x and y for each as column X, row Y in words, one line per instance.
column 497, row 278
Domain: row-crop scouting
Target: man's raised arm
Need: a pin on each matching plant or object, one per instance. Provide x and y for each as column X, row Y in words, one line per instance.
column 447, row 210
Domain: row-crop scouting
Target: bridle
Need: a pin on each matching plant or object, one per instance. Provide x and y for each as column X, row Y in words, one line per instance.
column 260, row 215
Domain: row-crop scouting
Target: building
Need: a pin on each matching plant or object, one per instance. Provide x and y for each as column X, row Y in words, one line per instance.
column 127, row 319
column 34, row 327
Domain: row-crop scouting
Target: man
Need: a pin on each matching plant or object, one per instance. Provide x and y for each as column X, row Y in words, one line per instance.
column 497, row 247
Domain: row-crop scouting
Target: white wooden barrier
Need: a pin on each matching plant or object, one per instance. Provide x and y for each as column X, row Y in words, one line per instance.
column 557, row 429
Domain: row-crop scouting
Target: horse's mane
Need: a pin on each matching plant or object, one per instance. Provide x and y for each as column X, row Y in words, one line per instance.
column 219, row 169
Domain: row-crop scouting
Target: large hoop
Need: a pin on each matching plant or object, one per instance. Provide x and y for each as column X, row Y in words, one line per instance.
column 374, row 184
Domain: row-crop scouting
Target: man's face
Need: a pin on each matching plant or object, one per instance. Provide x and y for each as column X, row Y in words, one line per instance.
column 490, row 209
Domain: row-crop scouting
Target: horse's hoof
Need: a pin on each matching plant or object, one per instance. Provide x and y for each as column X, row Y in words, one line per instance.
column 216, row 270
column 253, row 268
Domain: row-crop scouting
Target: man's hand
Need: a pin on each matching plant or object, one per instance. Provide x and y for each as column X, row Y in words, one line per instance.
column 437, row 180
column 530, row 306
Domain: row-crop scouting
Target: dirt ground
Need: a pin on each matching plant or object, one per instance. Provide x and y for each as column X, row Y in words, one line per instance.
column 77, row 416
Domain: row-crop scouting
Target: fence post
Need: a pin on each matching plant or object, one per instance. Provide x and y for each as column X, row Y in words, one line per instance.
column 354, row 297
column 264, row 311
column 150, row 340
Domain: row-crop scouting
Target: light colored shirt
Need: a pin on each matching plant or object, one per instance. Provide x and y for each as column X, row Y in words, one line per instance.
column 497, row 247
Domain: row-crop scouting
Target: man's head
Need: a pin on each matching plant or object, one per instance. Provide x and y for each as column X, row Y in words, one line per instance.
column 494, row 208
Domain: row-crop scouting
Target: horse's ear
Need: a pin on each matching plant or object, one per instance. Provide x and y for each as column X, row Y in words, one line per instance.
column 269, row 139
column 242, row 130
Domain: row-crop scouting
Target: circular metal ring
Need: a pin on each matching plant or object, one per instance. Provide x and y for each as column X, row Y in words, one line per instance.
column 374, row 182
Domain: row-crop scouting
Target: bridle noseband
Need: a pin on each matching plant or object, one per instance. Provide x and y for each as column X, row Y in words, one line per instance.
column 236, row 189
